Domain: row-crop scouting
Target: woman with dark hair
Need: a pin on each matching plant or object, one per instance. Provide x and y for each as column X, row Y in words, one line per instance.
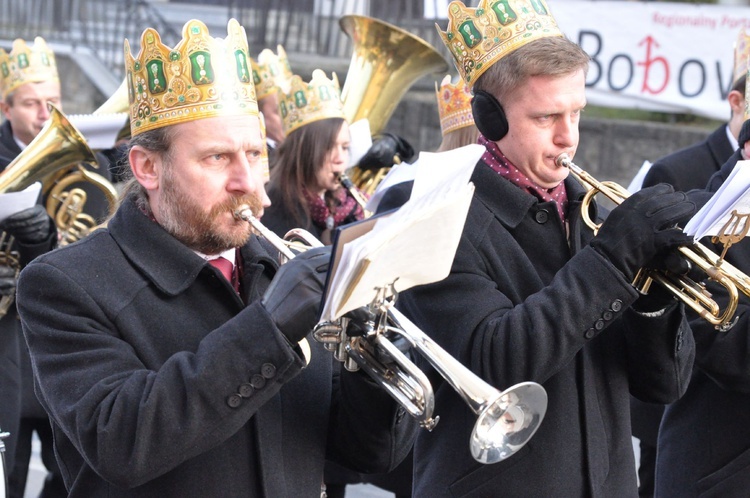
column 305, row 190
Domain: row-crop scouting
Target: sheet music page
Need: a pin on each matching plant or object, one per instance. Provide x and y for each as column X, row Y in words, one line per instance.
column 734, row 194
column 414, row 245
column 13, row 202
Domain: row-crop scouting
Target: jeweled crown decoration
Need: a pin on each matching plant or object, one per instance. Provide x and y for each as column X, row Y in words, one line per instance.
column 454, row 105
column 200, row 77
column 476, row 38
column 26, row 64
column 271, row 72
column 741, row 56
column 308, row 102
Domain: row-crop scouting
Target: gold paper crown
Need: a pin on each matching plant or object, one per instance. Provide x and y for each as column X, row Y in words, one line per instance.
column 200, row 77
column 454, row 105
column 26, row 64
column 741, row 56
column 479, row 37
column 308, row 102
column 271, row 72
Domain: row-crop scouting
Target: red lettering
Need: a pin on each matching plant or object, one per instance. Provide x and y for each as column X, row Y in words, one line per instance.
column 649, row 64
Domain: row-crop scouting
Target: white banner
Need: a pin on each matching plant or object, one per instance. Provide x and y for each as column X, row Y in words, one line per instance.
column 671, row 57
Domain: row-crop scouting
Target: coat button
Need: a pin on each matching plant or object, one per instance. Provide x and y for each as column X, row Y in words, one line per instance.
column 616, row 305
column 268, row 370
column 589, row 334
column 541, row 216
column 608, row 315
column 258, row 381
column 234, row 401
column 246, row 390
column 599, row 324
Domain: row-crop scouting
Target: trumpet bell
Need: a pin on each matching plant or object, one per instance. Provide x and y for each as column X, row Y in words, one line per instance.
column 508, row 422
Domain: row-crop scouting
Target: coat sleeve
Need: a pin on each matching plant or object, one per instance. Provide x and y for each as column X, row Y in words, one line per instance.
column 131, row 423
column 369, row 431
column 482, row 315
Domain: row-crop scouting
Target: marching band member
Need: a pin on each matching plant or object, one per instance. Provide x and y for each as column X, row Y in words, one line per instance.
column 454, row 108
column 687, row 169
column 304, row 189
column 28, row 82
column 170, row 346
column 271, row 74
column 703, row 445
column 533, row 294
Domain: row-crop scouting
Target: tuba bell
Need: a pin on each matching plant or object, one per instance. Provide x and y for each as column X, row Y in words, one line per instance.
column 386, row 62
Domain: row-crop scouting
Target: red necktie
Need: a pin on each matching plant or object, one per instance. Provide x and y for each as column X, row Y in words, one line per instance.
column 224, row 266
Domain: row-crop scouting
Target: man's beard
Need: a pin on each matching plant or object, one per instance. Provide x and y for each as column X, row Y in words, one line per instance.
column 189, row 223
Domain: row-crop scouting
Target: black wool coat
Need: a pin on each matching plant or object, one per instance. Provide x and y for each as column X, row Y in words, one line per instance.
column 704, row 437
column 691, row 167
column 524, row 302
column 161, row 382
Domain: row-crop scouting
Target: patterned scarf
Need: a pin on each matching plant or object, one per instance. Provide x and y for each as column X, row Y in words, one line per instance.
column 500, row 164
column 331, row 211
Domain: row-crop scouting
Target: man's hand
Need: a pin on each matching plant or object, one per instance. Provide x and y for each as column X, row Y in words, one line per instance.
column 293, row 298
column 7, row 281
column 30, row 226
column 643, row 227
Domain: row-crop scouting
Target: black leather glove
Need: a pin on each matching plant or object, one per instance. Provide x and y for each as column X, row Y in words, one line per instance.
column 642, row 227
column 30, row 226
column 383, row 150
column 7, row 281
column 293, row 298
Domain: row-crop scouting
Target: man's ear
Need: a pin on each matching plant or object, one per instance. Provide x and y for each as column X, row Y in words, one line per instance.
column 736, row 102
column 145, row 165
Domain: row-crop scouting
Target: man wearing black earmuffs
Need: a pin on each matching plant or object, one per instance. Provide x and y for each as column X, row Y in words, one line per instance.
column 534, row 294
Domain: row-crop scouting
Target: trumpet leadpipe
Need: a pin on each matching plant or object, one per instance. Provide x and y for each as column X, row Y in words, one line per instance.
column 246, row 214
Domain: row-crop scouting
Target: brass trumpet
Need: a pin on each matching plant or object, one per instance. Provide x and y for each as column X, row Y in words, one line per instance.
column 506, row 420
column 690, row 292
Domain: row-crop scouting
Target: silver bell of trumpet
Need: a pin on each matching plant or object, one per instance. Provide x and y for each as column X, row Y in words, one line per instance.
column 506, row 420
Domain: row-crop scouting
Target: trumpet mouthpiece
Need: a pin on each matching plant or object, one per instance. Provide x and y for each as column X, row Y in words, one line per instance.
column 563, row 160
column 243, row 213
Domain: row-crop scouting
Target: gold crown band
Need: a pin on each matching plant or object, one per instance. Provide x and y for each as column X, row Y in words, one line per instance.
column 479, row 37
column 271, row 72
column 26, row 64
column 200, row 77
column 741, row 56
column 308, row 102
column 454, row 105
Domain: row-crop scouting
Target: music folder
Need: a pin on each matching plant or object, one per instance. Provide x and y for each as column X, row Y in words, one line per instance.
column 412, row 245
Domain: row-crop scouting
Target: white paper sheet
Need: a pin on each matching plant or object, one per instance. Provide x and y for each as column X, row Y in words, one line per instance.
column 416, row 244
column 733, row 195
column 13, row 202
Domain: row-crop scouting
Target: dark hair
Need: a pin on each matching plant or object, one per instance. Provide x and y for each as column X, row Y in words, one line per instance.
column 297, row 161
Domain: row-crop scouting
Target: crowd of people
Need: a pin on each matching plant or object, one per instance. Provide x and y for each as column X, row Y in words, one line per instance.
column 169, row 352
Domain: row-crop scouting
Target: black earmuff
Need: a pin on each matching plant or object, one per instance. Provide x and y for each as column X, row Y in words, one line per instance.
column 489, row 116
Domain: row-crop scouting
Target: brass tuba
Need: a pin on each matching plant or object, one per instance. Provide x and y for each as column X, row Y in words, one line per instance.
column 505, row 420
column 62, row 149
column 386, row 62
column 56, row 147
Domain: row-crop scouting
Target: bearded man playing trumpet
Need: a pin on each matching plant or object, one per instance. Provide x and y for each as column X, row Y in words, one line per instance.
column 162, row 374
column 533, row 293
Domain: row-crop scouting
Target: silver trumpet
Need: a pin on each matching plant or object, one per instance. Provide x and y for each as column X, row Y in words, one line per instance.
column 506, row 420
